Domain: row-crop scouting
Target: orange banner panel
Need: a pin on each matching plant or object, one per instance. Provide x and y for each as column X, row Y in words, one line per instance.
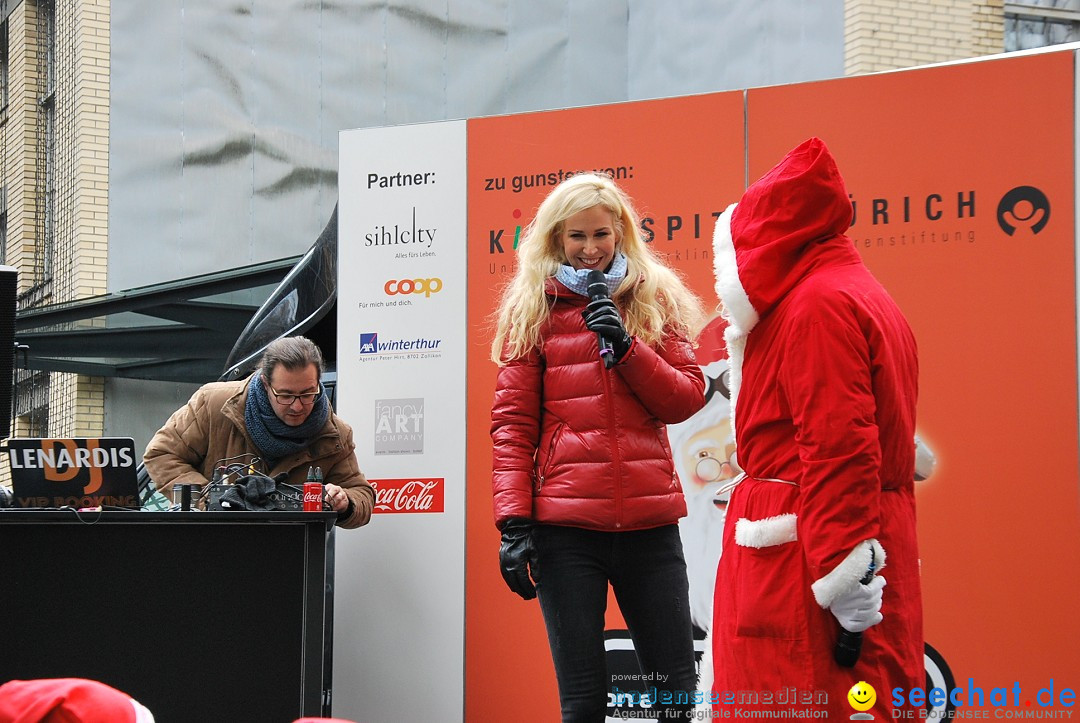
column 682, row 161
column 962, row 178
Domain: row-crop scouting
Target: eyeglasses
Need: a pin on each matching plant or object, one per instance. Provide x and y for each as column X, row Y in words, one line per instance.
column 287, row 399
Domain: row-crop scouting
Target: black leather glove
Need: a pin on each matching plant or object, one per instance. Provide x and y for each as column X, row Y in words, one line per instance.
column 516, row 556
column 602, row 317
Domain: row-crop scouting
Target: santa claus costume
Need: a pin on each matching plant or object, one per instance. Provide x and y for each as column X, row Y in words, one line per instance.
column 824, row 383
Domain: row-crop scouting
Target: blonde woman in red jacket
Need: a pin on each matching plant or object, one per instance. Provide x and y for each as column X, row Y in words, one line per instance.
column 585, row 490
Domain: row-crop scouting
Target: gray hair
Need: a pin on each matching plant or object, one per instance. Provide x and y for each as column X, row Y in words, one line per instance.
column 292, row 352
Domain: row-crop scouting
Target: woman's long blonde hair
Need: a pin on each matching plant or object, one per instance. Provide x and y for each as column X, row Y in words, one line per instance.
column 651, row 298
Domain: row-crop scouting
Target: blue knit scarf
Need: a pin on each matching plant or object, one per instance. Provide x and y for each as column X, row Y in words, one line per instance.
column 274, row 439
column 576, row 279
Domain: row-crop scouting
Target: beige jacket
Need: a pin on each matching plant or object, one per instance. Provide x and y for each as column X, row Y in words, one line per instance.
column 210, row 428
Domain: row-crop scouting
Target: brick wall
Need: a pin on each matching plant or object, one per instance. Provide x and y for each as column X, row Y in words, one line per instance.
column 890, row 34
column 78, row 252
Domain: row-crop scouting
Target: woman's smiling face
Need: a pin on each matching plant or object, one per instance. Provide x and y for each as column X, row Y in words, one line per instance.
column 588, row 239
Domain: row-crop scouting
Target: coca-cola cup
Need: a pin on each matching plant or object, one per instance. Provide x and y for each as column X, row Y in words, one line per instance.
column 313, row 497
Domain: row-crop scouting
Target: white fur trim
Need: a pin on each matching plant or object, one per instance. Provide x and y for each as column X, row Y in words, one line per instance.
column 736, row 346
column 738, row 310
column 142, row 714
column 844, row 577
column 768, row 532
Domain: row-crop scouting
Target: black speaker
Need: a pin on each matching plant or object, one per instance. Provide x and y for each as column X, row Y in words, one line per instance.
column 9, row 281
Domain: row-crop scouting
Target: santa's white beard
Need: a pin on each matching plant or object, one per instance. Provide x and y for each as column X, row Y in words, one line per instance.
column 702, row 532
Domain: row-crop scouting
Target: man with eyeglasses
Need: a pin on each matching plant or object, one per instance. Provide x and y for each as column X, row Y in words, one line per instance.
column 278, row 420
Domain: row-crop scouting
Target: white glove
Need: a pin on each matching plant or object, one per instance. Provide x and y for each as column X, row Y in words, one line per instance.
column 860, row 608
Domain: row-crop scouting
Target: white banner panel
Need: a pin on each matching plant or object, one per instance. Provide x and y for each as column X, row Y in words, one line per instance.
column 399, row 602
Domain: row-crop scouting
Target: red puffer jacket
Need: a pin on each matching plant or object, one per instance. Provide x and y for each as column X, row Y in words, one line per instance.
column 577, row 444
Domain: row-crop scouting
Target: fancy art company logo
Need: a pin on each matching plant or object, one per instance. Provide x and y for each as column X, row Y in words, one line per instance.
column 399, row 426
column 413, row 494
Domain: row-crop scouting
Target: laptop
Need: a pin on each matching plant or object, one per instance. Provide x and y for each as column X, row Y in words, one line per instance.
column 73, row 472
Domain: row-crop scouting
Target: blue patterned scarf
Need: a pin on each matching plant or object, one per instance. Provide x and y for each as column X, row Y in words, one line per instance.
column 275, row 439
column 576, row 279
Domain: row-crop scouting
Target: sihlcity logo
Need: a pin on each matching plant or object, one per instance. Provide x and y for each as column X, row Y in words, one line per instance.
column 410, row 239
column 399, row 426
column 1023, row 207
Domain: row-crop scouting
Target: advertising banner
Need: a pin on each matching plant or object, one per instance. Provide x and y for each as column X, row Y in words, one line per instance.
column 401, row 364
column 679, row 159
column 962, row 178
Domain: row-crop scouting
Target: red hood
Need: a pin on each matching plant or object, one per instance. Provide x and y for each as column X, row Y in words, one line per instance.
column 67, row 700
column 765, row 243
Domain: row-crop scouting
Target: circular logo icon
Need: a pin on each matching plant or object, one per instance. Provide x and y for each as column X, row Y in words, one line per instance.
column 862, row 696
column 1023, row 207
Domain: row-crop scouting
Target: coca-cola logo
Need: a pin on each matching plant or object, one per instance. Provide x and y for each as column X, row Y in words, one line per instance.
column 408, row 495
column 313, row 496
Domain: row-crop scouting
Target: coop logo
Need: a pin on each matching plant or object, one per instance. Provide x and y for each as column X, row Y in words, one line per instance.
column 399, row 426
column 414, row 495
column 1024, row 207
column 427, row 287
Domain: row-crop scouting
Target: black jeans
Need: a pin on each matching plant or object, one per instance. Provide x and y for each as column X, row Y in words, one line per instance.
column 647, row 571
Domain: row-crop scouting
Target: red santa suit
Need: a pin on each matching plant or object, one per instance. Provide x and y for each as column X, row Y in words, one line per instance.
column 824, row 382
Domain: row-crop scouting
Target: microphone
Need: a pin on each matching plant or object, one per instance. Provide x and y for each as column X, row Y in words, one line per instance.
column 596, row 288
column 849, row 644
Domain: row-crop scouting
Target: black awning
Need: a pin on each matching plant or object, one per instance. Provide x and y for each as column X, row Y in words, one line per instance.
column 179, row 331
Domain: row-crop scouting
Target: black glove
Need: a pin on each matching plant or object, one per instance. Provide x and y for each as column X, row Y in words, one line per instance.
column 602, row 317
column 516, row 556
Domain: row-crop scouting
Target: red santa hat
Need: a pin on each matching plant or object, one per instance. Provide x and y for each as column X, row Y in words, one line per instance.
column 710, row 342
column 68, row 700
column 759, row 242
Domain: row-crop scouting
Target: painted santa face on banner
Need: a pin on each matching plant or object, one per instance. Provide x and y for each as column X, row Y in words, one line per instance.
column 707, row 456
column 703, row 448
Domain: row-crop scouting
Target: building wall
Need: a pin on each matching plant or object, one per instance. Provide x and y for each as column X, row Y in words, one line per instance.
column 225, row 118
column 198, row 80
column 57, row 195
column 890, row 34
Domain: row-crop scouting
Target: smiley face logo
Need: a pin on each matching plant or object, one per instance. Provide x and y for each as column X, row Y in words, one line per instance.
column 862, row 696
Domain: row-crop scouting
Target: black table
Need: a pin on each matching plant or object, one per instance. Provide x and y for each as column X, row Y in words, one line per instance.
column 201, row 616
